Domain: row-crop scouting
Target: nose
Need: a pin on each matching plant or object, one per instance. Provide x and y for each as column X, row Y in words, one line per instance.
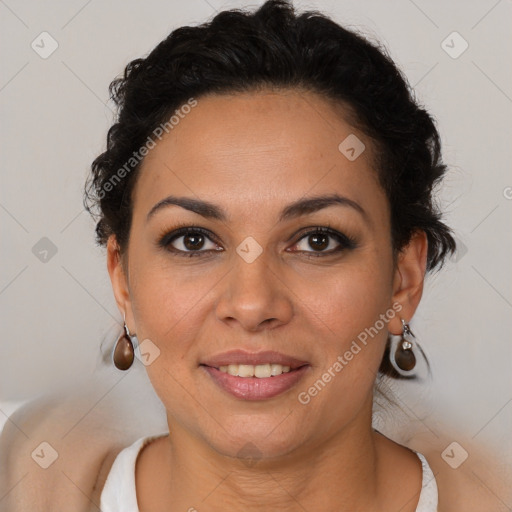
column 254, row 296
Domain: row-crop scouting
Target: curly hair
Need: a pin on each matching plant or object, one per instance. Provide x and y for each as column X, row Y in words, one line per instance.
column 274, row 47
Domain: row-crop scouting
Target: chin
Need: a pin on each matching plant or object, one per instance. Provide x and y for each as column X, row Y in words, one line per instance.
column 253, row 440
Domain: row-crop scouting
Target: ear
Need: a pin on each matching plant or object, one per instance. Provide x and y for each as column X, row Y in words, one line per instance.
column 119, row 281
column 408, row 279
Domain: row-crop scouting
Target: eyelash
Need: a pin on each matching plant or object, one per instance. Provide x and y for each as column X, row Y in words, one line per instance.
column 166, row 237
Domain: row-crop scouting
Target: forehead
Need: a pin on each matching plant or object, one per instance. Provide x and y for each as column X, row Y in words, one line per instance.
column 254, row 150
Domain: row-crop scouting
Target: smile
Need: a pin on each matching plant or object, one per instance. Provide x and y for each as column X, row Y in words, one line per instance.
column 260, row 371
column 259, row 382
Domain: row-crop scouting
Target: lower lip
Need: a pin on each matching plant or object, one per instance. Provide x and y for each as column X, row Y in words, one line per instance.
column 253, row 388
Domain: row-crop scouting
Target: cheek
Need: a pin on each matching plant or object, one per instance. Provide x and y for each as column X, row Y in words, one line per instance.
column 350, row 298
column 169, row 308
column 343, row 312
column 346, row 320
column 169, row 304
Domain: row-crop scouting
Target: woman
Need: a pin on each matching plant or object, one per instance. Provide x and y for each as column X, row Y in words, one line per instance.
column 266, row 203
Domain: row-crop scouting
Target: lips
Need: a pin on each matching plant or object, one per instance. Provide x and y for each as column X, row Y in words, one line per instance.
column 252, row 358
column 259, row 387
column 253, row 388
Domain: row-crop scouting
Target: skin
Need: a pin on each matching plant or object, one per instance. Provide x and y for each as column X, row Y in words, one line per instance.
column 252, row 154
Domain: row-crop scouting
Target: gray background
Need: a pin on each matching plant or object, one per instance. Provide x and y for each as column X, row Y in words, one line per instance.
column 55, row 112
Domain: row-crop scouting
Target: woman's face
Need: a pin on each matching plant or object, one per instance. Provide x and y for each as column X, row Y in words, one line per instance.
column 261, row 278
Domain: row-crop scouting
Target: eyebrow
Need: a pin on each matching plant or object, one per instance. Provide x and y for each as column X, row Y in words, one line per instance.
column 300, row 207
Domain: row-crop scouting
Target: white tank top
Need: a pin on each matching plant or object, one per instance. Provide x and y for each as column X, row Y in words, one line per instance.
column 119, row 494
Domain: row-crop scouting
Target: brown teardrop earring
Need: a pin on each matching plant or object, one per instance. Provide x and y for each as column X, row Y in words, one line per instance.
column 124, row 353
column 404, row 356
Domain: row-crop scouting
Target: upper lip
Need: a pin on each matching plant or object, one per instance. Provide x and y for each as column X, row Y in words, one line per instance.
column 254, row 358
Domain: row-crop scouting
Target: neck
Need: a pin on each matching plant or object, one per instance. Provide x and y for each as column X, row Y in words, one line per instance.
column 340, row 473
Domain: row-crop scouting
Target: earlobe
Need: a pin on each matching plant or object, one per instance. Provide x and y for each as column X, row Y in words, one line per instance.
column 409, row 278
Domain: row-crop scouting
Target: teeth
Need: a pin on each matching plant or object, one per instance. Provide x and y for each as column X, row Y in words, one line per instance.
column 263, row 371
column 260, row 371
column 245, row 370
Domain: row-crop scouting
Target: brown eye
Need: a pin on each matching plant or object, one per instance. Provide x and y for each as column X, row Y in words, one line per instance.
column 324, row 242
column 318, row 241
column 193, row 242
column 188, row 242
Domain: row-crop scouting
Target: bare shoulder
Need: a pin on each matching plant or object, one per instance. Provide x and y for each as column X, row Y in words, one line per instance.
column 42, row 468
column 468, row 476
column 56, row 452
